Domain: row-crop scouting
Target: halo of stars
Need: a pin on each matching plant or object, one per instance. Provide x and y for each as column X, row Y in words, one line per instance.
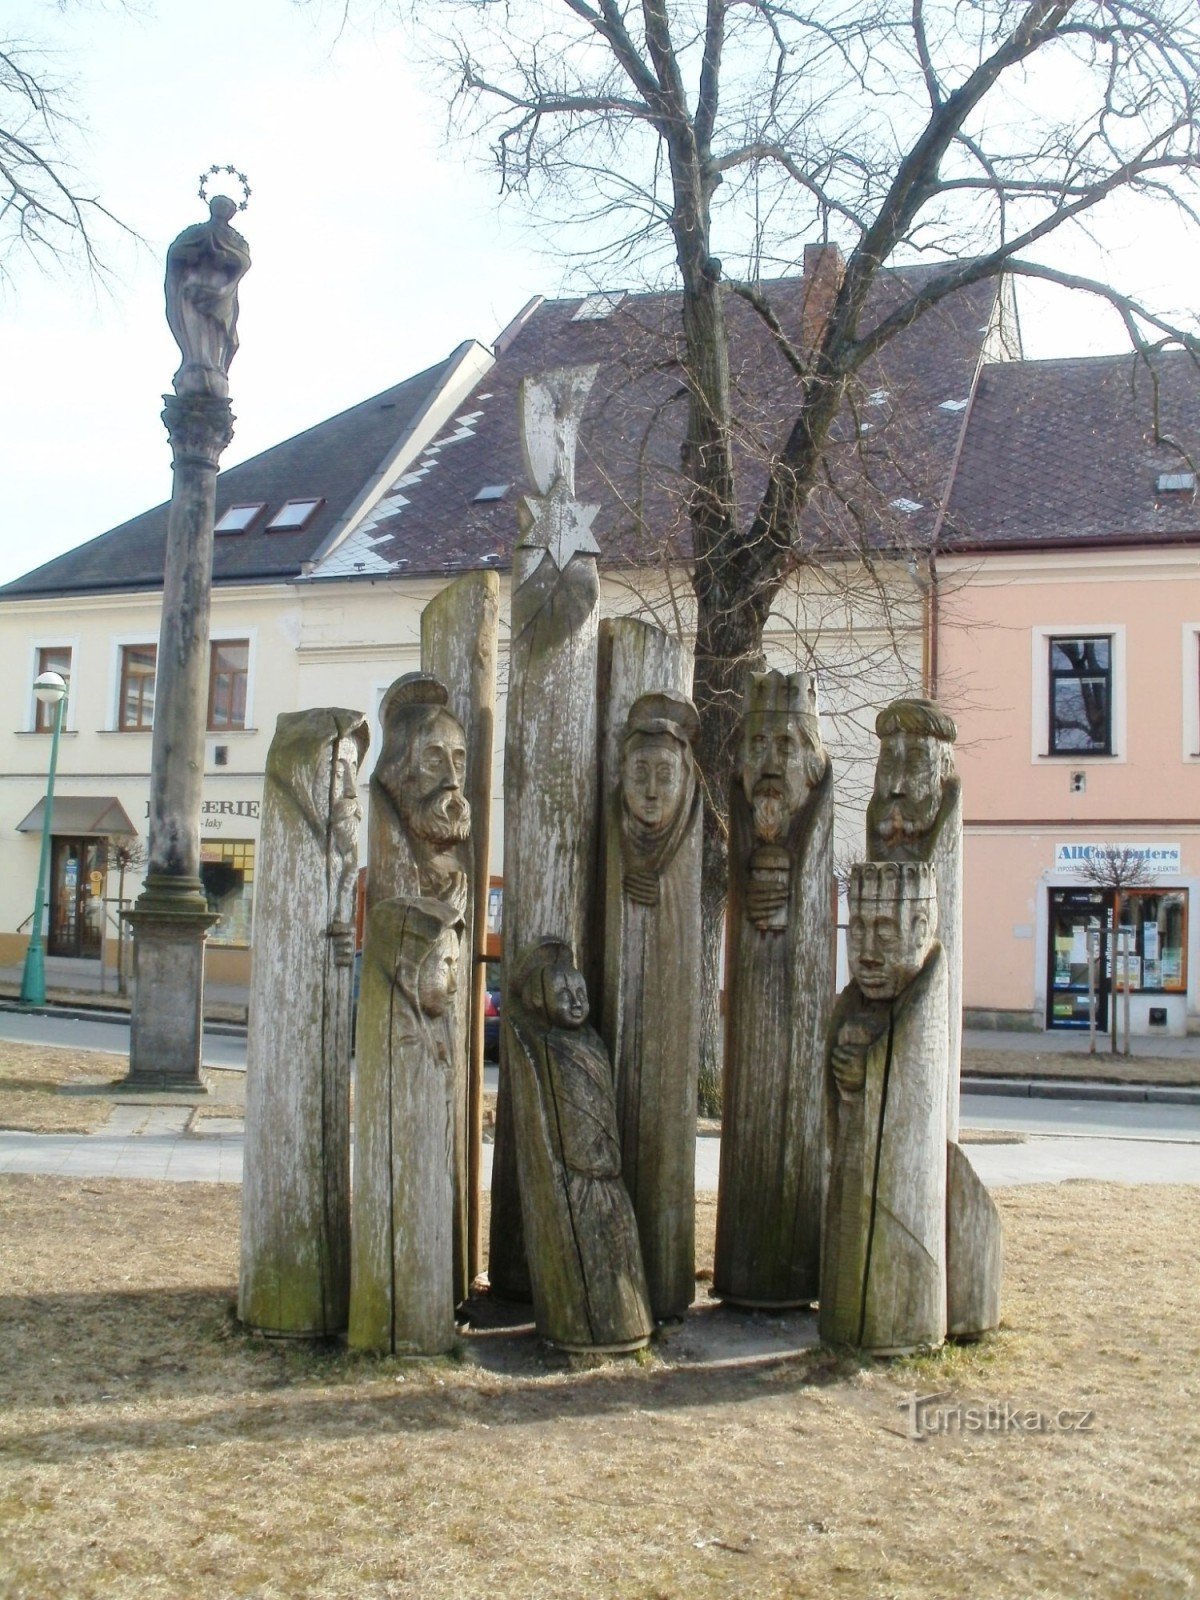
column 233, row 172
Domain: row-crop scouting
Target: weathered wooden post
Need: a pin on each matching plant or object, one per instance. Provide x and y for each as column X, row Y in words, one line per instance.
column 585, row 1265
column 550, row 780
column 779, row 992
column 402, row 1292
column 171, row 919
column 915, row 814
column 974, row 1250
column 419, row 838
column 458, row 647
column 295, row 1262
column 883, row 1270
column 651, row 1016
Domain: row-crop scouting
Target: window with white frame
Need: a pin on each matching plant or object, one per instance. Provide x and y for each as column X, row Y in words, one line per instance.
column 1079, row 692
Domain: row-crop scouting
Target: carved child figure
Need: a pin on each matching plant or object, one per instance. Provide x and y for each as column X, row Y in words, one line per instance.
column 585, row 1263
column 883, row 1270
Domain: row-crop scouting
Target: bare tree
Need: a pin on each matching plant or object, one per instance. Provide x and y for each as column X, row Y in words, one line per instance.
column 1118, row 868
column 126, row 853
column 707, row 137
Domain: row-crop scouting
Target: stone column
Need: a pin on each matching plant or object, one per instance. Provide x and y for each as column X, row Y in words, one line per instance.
column 170, row 919
column 550, row 786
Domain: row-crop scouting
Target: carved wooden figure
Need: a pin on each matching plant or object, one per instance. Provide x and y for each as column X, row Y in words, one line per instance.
column 915, row 814
column 652, row 968
column 402, row 1291
column 883, row 1271
column 459, row 630
column 779, row 987
column 585, row 1263
column 550, row 785
column 295, row 1252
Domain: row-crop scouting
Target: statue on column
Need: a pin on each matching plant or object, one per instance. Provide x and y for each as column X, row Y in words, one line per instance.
column 420, row 824
column 585, row 1263
column 883, row 1270
column 402, row 1295
column 915, row 814
column 295, row 1267
column 205, row 264
column 657, row 946
column 780, row 937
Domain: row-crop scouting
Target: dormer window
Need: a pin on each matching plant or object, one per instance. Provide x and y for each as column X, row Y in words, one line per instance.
column 293, row 515
column 238, row 518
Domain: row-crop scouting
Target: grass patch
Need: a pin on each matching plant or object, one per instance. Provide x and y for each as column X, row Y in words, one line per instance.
column 31, row 1076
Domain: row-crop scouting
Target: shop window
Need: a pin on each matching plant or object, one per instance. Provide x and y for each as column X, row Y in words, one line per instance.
column 135, row 708
column 1158, row 956
column 227, row 873
column 228, row 675
column 51, row 658
column 1080, row 672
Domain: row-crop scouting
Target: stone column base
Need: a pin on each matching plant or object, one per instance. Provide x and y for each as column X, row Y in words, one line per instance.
column 167, row 1018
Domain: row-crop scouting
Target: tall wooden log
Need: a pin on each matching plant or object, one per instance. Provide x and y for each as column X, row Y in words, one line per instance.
column 585, row 1265
column 458, row 647
column 883, row 1270
column 402, row 1293
column 974, row 1250
column 651, row 941
column 779, row 988
column 550, row 781
column 295, row 1243
column 915, row 814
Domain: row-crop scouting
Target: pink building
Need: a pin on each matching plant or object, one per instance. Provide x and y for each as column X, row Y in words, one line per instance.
column 1065, row 639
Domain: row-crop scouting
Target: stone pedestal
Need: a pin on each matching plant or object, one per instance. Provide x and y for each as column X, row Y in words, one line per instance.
column 167, row 1018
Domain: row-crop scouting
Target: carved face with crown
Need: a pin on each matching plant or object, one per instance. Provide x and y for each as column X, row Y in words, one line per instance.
column 893, row 921
column 781, row 757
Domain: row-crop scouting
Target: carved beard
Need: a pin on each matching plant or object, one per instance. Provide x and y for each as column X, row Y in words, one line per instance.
column 772, row 813
column 442, row 818
column 907, row 820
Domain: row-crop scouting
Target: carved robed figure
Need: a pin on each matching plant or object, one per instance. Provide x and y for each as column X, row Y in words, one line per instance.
column 295, row 1263
column 779, row 961
column 883, row 1272
column 652, row 954
column 205, row 264
column 402, row 1295
column 585, row 1263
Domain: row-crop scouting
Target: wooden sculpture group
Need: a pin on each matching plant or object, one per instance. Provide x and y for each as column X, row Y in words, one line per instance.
column 841, row 1180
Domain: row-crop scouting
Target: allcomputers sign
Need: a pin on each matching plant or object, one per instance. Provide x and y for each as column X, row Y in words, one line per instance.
column 1159, row 858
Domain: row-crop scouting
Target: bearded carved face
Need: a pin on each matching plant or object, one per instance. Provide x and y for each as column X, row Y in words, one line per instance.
column 345, row 812
column 653, row 778
column 779, row 767
column 910, row 776
column 886, row 944
column 437, row 981
column 425, row 782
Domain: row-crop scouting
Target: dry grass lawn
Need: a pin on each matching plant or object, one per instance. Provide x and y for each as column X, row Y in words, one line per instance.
column 148, row 1448
column 30, row 1078
column 1103, row 1067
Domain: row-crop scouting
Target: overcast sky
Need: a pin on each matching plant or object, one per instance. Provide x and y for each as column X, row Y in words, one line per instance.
column 377, row 248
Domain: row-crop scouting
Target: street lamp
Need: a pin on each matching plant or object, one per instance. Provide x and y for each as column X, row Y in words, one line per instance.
column 51, row 690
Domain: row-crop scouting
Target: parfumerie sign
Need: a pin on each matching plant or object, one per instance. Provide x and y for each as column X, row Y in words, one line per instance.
column 1158, row 857
column 216, row 816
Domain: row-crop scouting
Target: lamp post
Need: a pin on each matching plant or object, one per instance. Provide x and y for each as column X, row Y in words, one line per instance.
column 51, row 690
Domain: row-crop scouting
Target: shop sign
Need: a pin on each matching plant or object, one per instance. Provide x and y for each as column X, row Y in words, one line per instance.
column 1074, row 858
column 227, row 816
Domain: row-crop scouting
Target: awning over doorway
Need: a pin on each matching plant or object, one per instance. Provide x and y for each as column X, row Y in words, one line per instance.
column 80, row 813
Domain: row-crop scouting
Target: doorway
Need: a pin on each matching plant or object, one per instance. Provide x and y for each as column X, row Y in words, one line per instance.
column 1077, row 916
column 77, row 868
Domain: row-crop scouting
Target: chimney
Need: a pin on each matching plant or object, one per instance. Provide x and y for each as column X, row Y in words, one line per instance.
column 824, row 267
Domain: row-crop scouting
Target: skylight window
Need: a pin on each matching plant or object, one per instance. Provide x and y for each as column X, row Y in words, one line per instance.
column 292, row 516
column 1176, row 483
column 598, row 306
column 238, row 518
column 492, row 491
column 906, row 505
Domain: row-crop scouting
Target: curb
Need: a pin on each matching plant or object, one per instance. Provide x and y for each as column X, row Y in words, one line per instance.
column 1071, row 1089
column 225, row 1030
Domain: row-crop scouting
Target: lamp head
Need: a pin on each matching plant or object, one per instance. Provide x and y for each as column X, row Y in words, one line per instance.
column 50, row 688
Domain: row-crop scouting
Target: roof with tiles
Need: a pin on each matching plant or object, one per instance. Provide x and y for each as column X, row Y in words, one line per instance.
column 886, row 474
column 331, row 463
column 1071, row 452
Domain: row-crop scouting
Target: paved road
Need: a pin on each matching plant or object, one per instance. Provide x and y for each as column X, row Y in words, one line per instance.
column 109, row 1036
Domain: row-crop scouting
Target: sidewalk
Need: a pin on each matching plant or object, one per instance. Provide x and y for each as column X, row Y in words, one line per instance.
column 76, row 986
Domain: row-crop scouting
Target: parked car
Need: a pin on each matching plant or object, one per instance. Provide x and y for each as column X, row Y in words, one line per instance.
column 491, row 1025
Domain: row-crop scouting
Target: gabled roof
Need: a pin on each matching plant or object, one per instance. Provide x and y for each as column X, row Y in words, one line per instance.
column 887, row 474
column 1070, row 452
column 332, row 462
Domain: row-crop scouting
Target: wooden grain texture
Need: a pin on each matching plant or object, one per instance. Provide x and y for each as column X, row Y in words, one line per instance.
column 651, row 953
column 458, row 647
column 779, row 991
column 883, row 1270
column 402, row 1292
column 946, row 859
column 295, row 1241
column 550, row 776
column 974, row 1250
